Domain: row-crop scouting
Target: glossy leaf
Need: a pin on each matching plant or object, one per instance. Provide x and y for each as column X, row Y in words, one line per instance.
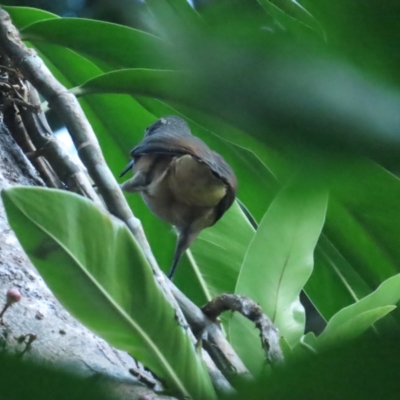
column 93, row 265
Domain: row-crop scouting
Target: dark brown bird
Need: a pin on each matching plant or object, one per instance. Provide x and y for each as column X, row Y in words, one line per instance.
column 181, row 180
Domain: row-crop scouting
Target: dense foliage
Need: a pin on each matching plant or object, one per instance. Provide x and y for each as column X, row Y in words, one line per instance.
column 302, row 103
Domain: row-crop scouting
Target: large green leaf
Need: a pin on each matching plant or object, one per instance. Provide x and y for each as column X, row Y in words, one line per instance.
column 353, row 320
column 358, row 249
column 99, row 40
column 278, row 263
column 93, row 265
column 197, row 90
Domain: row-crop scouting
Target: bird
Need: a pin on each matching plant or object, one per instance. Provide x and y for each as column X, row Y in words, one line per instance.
column 181, row 180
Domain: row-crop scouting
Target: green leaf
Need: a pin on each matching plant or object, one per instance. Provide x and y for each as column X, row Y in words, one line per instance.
column 138, row 81
column 217, row 255
column 94, row 266
column 24, row 16
column 354, row 319
column 279, row 262
column 358, row 249
column 355, row 326
column 118, row 46
column 309, row 340
column 306, row 347
column 342, row 283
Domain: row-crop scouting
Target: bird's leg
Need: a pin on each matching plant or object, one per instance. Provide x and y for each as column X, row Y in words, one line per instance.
column 185, row 238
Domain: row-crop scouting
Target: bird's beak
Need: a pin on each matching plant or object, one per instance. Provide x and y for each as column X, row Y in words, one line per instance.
column 127, row 168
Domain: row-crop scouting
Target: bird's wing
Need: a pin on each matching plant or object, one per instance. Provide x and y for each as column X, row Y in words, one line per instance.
column 222, row 169
column 178, row 144
column 173, row 144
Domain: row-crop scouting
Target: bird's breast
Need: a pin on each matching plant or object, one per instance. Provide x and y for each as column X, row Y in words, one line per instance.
column 194, row 183
column 185, row 194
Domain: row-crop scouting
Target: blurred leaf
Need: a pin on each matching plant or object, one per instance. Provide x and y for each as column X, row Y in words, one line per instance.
column 168, row 12
column 49, row 381
column 110, row 277
column 279, row 262
column 364, row 33
column 292, row 15
column 360, row 370
column 329, row 86
column 354, row 319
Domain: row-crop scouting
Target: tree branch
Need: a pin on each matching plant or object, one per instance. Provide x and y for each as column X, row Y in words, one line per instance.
column 269, row 334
